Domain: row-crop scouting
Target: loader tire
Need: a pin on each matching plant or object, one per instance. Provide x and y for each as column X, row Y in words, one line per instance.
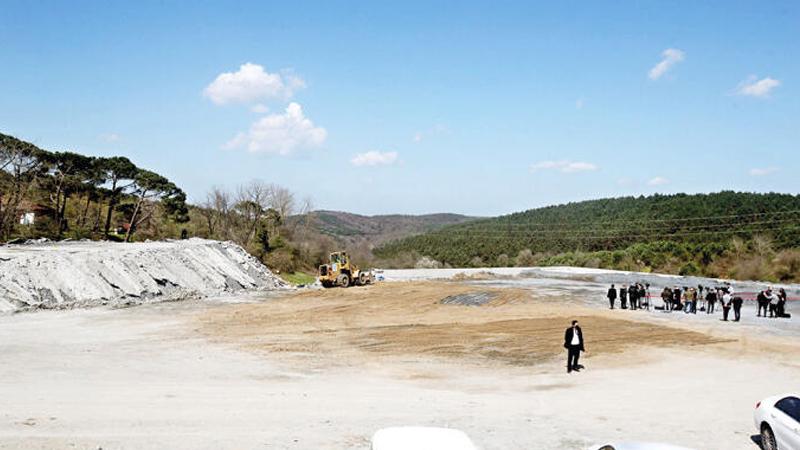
column 343, row 280
column 363, row 279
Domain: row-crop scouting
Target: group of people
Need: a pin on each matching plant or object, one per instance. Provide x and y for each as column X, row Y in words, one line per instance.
column 690, row 299
column 637, row 294
column 774, row 302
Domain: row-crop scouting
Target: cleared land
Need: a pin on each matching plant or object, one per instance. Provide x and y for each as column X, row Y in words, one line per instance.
column 325, row 369
column 411, row 320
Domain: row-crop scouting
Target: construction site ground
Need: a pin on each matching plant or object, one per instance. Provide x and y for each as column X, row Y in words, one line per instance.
column 324, row 369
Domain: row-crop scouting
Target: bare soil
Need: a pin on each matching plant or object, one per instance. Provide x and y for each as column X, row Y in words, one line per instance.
column 408, row 319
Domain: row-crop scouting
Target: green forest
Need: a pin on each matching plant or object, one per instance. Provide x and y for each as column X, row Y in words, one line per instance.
column 63, row 194
column 737, row 234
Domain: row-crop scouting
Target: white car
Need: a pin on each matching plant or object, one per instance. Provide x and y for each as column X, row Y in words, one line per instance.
column 777, row 419
column 421, row 438
column 638, row 446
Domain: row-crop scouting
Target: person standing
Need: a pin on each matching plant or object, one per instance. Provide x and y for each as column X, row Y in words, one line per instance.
column 737, row 308
column 711, row 300
column 623, row 297
column 701, row 298
column 666, row 297
column 773, row 303
column 612, row 296
column 642, row 297
column 761, row 300
column 686, row 302
column 726, row 305
column 676, row 299
column 633, row 295
column 781, row 310
column 573, row 342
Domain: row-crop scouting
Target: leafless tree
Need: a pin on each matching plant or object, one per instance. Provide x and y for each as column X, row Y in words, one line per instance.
column 216, row 211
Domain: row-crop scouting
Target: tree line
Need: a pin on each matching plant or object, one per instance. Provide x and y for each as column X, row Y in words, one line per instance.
column 78, row 196
column 268, row 221
column 70, row 195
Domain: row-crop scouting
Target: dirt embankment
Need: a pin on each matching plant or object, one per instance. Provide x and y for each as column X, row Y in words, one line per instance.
column 437, row 319
column 70, row 274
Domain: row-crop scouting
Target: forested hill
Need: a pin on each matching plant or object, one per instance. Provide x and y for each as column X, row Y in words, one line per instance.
column 360, row 234
column 665, row 229
column 381, row 228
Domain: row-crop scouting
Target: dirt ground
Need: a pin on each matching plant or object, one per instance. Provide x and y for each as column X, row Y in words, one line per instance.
column 326, row 369
column 410, row 320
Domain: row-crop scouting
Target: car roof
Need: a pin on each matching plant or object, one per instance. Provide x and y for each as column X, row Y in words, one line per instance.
column 775, row 398
column 642, row 446
column 421, row 438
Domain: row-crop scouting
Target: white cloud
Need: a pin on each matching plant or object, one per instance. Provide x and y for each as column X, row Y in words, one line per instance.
column 109, row 137
column 281, row 134
column 670, row 57
column 259, row 108
column 374, row 158
column 564, row 166
column 657, row 181
column 756, row 172
column 753, row 87
column 251, row 83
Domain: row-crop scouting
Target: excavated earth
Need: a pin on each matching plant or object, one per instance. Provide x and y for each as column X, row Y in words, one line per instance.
column 59, row 275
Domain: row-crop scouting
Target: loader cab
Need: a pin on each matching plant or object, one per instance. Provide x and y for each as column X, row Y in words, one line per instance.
column 339, row 258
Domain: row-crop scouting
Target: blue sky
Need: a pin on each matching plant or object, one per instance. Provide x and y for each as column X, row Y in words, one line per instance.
column 480, row 108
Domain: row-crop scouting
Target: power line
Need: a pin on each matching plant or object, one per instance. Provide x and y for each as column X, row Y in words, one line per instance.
column 501, row 234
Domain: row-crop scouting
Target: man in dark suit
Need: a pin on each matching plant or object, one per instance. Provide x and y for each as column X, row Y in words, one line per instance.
column 612, row 295
column 573, row 342
column 737, row 308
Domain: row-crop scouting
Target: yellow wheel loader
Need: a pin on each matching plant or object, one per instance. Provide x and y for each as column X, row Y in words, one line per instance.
column 341, row 272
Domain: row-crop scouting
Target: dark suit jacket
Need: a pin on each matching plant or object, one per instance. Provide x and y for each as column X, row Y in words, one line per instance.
column 612, row 294
column 568, row 337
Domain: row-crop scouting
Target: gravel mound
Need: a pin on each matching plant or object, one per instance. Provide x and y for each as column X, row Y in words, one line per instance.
column 56, row 275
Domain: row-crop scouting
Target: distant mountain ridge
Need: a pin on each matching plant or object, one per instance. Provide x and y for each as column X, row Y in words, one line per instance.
column 355, row 229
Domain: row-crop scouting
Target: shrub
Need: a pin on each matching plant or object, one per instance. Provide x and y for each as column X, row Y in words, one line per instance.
column 427, row 263
column 525, row 258
column 751, row 268
column 282, row 261
column 787, row 265
column 503, row 260
column 689, row 269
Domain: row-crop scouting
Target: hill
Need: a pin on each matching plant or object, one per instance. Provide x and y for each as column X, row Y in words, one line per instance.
column 353, row 228
column 708, row 234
